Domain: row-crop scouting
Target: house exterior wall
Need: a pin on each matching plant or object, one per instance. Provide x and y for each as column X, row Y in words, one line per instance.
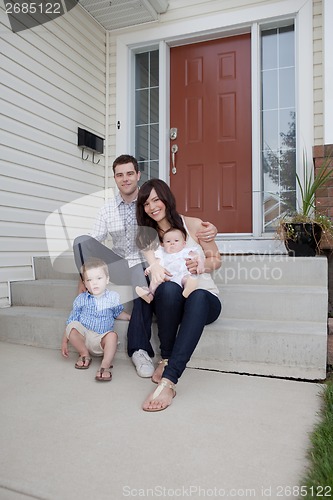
column 323, row 135
column 54, row 79
column 328, row 70
column 112, row 68
column 52, row 82
column 318, row 93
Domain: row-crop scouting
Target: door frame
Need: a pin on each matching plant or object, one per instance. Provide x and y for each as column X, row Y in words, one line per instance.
column 248, row 19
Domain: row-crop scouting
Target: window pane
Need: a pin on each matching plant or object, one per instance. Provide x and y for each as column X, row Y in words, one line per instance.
column 154, row 68
column 270, row 89
column 269, row 49
column 287, row 129
column 270, row 127
column 153, row 142
column 141, row 143
column 154, row 105
column 286, row 47
column 141, row 71
column 278, row 125
column 154, row 169
column 141, row 105
column 287, row 88
column 147, row 114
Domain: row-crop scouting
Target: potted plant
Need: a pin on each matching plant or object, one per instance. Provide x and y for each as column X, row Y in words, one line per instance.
column 302, row 230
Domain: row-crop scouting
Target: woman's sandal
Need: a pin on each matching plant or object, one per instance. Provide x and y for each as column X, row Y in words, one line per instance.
column 162, row 385
column 100, row 377
column 84, row 360
column 163, row 362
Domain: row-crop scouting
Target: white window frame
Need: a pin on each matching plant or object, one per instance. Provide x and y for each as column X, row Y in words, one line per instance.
column 245, row 20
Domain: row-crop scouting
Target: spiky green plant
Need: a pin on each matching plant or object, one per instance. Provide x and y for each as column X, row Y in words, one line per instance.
column 308, row 212
column 311, row 183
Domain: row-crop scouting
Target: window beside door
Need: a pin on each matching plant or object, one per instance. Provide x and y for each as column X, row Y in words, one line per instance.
column 278, row 124
column 147, row 113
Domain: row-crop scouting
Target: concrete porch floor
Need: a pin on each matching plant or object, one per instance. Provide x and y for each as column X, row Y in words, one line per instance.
column 64, row 436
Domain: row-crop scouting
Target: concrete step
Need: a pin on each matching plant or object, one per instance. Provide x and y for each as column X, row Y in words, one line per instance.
column 266, row 302
column 60, row 268
column 236, row 269
column 42, row 326
column 58, row 293
column 273, row 270
column 261, row 347
column 239, row 301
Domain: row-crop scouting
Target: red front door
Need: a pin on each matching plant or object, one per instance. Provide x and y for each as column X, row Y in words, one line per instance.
column 211, row 110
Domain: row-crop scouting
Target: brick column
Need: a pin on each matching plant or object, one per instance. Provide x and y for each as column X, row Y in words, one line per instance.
column 324, row 203
column 324, row 196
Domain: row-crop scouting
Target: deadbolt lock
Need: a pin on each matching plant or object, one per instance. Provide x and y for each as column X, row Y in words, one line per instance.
column 173, row 133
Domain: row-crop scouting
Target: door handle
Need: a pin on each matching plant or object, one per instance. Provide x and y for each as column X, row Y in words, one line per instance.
column 174, row 149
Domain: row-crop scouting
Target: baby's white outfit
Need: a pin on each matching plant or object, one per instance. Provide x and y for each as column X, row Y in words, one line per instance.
column 175, row 262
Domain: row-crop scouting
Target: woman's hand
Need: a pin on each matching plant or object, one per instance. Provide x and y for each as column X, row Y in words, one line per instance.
column 158, row 274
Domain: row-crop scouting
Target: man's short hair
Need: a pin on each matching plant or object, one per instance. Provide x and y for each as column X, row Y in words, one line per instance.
column 123, row 159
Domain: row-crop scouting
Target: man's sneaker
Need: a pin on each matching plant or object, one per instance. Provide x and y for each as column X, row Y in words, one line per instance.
column 143, row 364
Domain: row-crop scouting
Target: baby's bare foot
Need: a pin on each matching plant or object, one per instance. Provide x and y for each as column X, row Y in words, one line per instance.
column 144, row 293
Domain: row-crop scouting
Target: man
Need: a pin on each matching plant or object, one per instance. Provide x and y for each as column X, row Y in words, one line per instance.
column 118, row 218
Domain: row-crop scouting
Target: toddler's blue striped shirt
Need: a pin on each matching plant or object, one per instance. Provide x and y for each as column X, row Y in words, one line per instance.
column 96, row 313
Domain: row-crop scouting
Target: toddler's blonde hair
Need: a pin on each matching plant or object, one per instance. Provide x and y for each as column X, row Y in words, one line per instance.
column 94, row 263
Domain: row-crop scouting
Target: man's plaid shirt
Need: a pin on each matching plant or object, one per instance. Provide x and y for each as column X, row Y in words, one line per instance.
column 118, row 219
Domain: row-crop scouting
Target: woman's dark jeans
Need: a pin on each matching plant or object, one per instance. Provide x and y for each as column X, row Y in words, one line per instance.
column 192, row 314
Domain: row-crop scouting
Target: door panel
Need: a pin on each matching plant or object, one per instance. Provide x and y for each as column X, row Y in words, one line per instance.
column 211, row 108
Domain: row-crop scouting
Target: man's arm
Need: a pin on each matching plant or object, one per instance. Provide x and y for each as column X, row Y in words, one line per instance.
column 81, row 287
column 100, row 227
column 207, row 232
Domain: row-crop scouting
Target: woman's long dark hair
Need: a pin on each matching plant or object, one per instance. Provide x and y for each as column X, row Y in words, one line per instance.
column 147, row 226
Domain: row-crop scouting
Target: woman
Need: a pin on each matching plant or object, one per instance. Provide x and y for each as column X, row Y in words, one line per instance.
column 156, row 213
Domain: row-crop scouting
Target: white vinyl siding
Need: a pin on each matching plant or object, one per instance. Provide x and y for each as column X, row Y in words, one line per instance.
column 52, row 82
column 112, row 108
column 318, row 77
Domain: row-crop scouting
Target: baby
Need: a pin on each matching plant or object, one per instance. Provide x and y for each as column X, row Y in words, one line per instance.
column 172, row 254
